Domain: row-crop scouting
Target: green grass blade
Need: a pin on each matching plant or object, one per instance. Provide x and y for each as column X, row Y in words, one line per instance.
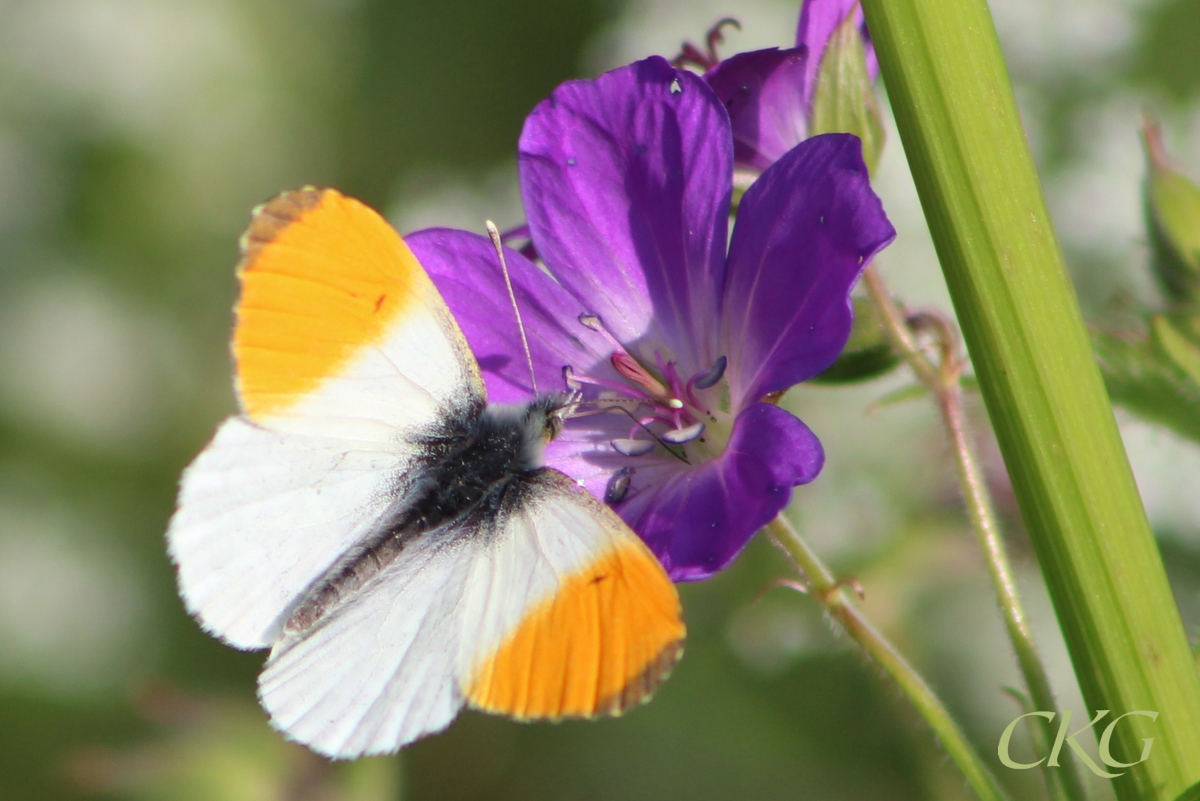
column 958, row 120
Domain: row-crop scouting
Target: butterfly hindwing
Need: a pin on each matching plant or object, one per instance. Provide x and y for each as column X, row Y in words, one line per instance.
column 550, row 608
column 263, row 514
column 580, row 619
column 378, row 671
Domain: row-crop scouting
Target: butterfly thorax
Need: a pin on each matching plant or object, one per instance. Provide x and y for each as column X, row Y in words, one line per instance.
column 468, row 467
column 474, row 460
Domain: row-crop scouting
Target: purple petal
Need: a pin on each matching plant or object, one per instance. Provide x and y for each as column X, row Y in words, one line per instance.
column 626, row 181
column 818, row 20
column 465, row 270
column 764, row 93
column 805, row 229
column 698, row 519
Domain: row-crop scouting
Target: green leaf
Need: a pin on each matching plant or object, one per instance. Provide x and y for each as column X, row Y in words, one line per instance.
column 1172, row 204
column 845, row 101
column 1190, row 794
column 867, row 353
column 1143, row 379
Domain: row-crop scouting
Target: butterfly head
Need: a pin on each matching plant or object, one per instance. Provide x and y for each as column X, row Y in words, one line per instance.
column 546, row 416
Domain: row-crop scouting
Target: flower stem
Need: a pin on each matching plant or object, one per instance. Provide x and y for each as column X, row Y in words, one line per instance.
column 833, row 597
column 942, row 381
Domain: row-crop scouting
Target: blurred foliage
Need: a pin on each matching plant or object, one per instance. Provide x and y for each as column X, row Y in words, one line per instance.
column 219, row 749
column 1166, row 55
column 135, row 137
column 1144, row 376
column 1153, row 369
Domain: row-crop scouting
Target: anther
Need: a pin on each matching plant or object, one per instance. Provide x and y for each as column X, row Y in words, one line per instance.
column 712, row 375
column 618, row 485
column 682, row 435
column 633, row 447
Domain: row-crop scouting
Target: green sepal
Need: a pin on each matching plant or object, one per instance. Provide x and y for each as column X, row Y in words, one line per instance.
column 844, row 101
column 867, row 353
column 1172, row 205
column 1144, row 376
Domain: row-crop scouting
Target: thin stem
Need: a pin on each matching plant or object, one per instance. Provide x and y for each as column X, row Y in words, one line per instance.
column 837, row 602
column 895, row 327
column 942, row 381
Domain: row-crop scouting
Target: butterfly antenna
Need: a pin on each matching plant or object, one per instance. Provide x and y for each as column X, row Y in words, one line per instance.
column 496, row 243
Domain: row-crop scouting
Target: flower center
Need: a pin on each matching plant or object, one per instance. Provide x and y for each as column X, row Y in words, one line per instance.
column 688, row 419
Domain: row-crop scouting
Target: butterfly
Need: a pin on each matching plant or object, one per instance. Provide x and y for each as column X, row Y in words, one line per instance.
column 388, row 534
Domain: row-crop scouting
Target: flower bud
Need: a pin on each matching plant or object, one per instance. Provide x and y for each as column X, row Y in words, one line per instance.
column 844, row 100
column 1173, row 218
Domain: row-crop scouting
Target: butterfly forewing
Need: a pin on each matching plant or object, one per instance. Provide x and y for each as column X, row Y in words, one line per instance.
column 346, row 354
column 339, row 328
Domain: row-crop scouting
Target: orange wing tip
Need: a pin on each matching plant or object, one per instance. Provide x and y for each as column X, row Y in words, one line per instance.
column 603, row 643
column 638, row 692
column 323, row 276
column 268, row 219
column 641, row 689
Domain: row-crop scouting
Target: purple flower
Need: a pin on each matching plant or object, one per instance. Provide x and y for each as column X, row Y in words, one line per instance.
column 626, row 181
column 769, row 93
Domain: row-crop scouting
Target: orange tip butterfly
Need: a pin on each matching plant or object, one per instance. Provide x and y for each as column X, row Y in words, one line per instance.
column 389, row 535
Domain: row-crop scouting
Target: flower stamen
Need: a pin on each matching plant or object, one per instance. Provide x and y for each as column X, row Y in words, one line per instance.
column 633, row 447
column 709, row 377
column 680, row 436
column 618, row 485
column 632, row 370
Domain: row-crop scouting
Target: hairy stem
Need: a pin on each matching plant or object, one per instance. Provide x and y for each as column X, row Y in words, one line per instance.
column 833, row 597
column 942, row 381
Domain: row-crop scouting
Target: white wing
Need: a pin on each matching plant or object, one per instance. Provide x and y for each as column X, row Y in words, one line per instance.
column 378, row 672
column 552, row 609
column 346, row 356
column 262, row 515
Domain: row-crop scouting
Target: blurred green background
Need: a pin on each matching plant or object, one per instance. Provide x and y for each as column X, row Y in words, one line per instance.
column 135, row 136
